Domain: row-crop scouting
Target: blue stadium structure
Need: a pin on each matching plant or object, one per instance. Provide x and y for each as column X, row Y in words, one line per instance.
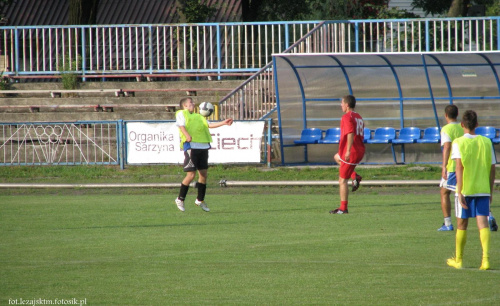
column 393, row 91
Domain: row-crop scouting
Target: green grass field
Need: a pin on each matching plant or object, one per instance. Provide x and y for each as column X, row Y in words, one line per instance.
column 257, row 246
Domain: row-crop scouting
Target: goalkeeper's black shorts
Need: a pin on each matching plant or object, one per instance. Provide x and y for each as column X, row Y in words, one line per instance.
column 195, row 159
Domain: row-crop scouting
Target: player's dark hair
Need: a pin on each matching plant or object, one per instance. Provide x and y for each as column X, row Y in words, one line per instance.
column 350, row 101
column 451, row 111
column 469, row 120
column 184, row 101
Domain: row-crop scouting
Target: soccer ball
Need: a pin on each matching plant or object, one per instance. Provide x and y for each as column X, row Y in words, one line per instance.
column 206, row 109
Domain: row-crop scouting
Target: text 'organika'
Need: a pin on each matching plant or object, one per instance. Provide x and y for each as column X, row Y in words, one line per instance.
column 161, row 142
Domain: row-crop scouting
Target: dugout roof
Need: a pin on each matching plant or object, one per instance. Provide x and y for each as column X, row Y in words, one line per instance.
column 392, row 89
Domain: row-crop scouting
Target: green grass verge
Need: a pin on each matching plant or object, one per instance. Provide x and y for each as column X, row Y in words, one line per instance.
column 258, row 248
column 153, row 174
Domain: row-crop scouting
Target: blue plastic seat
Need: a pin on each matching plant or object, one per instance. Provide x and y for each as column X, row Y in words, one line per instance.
column 383, row 135
column 431, row 135
column 309, row 136
column 331, row 136
column 407, row 135
column 496, row 140
column 490, row 132
column 487, row 131
column 367, row 134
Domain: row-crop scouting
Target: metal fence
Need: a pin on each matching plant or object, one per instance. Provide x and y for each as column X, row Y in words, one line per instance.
column 425, row 35
column 256, row 97
column 225, row 47
column 146, row 48
column 59, row 143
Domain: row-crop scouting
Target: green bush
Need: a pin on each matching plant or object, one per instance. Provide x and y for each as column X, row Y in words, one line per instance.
column 4, row 83
column 68, row 69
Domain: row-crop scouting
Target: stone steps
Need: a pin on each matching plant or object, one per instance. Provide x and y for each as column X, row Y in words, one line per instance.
column 147, row 103
column 83, row 116
column 4, row 102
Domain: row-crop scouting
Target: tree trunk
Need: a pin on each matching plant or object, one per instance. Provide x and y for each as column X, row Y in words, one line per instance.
column 245, row 7
column 250, row 9
column 179, row 49
column 80, row 12
column 458, row 8
column 180, row 4
column 83, row 11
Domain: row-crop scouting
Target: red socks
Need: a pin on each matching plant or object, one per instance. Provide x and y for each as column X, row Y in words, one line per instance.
column 343, row 205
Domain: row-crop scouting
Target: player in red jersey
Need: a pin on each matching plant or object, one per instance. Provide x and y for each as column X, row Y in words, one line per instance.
column 351, row 150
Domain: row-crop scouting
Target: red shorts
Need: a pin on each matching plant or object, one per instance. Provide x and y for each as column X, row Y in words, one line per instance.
column 346, row 170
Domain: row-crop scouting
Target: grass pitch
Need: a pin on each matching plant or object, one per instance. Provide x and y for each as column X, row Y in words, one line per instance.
column 271, row 247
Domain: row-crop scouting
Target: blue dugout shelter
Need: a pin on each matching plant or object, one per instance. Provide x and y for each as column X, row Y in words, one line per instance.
column 395, row 90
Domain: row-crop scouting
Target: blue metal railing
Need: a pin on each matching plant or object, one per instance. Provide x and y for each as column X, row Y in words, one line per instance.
column 163, row 48
column 220, row 48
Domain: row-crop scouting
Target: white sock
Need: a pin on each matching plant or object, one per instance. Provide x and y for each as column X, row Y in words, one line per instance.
column 447, row 221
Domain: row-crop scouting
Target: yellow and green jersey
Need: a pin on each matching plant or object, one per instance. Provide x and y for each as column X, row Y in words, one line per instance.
column 475, row 151
column 197, row 126
column 449, row 133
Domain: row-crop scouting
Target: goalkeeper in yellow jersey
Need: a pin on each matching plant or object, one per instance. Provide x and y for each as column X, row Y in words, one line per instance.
column 475, row 171
column 195, row 141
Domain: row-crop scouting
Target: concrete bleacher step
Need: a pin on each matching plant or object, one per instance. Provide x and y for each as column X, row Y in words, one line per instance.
column 175, row 93
column 98, row 101
column 84, row 116
column 4, row 102
column 114, row 84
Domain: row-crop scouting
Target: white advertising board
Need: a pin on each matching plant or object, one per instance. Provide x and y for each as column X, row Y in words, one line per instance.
column 159, row 143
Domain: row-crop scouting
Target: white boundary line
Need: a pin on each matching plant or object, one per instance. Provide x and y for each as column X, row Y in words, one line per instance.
column 225, row 183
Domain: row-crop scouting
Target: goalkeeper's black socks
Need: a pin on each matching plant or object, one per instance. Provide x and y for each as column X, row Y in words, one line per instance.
column 202, row 189
column 183, row 192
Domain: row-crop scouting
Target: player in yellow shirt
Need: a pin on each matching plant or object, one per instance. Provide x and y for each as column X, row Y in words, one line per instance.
column 195, row 141
column 475, row 170
column 449, row 132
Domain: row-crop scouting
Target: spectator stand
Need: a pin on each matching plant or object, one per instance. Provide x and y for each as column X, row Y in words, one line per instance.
column 38, row 104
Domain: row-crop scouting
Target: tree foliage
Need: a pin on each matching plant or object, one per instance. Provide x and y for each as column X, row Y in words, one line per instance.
column 346, row 9
column 384, row 12
column 283, row 10
column 493, row 9
column 276, row 10
column 192, row 11
column 432, row 7
column 452, row 8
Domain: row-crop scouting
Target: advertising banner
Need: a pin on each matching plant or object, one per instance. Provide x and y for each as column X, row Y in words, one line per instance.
column 159, row 143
